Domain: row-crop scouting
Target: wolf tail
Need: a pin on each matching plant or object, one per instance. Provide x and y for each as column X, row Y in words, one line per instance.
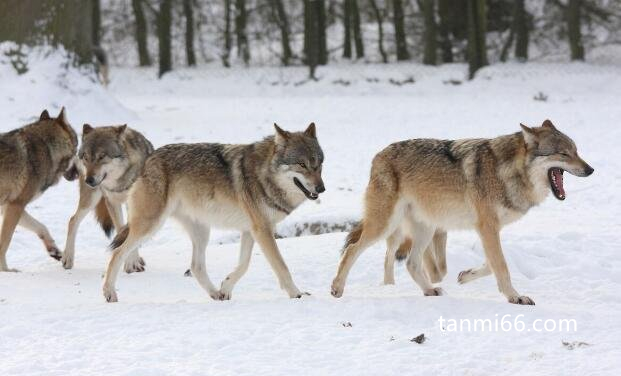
column 353, row 236
column 120, row 238
column 102, row 214
column 404, row 250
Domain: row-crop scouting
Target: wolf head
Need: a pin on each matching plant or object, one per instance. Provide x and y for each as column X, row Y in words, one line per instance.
column 64, row 137
column 299, row 158
column 552, row 153
column 102, row 154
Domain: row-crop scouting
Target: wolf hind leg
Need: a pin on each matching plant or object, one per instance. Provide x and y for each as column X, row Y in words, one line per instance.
column 393, row 243
column 135, row 235
column 245, row 252
column 199, row 234
column 148, row 209
column 134, row 263
column 30, row 223
column 423, row 235
column 434, row 258
column 382, row 217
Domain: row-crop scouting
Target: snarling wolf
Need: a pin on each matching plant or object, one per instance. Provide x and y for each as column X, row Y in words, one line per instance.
column 245, row 187
column 482, row 184
column 110, row 159
column 32, row 159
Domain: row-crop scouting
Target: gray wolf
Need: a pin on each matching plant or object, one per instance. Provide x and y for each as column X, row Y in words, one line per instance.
column 248, row 187
column 32, row 159
column 427, row 185
column 110, row 159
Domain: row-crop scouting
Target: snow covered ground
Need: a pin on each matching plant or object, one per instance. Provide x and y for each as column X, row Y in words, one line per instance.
column 562, row 254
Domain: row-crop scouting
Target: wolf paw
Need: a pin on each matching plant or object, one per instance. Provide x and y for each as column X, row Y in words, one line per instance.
column 336, row 292
column 522, row 300
column 464, row 276
column 55, row 253
column 300, row 295
column 217, row 295
column 225, row 295
column 134, row 266
column 436, row 291
column 67, row 261
column 110, row 295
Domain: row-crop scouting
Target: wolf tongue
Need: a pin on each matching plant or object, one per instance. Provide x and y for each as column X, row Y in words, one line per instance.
column 558, row 175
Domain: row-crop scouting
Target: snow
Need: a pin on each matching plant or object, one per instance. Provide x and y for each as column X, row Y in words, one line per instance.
column 562, row 254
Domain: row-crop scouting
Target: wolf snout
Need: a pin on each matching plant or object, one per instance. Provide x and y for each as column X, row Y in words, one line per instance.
column 320, row 188
column 588, row 170
column 90, row 181
column 71, row 174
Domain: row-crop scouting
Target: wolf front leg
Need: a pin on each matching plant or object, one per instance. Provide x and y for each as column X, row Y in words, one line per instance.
column 88, row 199
column 263, row 233
column 12, row 214
column 489, row 232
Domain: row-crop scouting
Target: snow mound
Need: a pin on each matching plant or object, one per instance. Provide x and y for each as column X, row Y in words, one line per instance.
column 37, row 78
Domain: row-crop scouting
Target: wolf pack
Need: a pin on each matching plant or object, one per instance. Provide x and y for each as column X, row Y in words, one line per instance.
column 418, row 190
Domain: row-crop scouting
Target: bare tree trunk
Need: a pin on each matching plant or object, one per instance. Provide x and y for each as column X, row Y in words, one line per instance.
column 189, row 32
column 313, row 35
column 504, row 53
column 520, row 25
column 164, row 21
column 399, row 23
column 574, row 8
column 322, row 43
column 357, row 31
column 308, row 30
column 96, row 22
column 141, row 34
column 380, row 30
column 477, row 50
column 347, row 16
column 444, row 30
column 240, row 31
column 280, row 15
column 430, row 35
column 67, row 23
column 227, row 34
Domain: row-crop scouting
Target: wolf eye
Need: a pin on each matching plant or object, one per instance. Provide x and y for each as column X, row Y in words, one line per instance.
column 564, row 155
column 302, row 164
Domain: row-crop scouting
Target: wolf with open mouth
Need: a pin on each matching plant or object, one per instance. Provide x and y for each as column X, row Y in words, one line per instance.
column 422, row 186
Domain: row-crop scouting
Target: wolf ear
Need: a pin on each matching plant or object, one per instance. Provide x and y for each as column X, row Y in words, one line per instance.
column 121, row 129
column 548, row 124
column 311, row 131
column 62, row 116
column 44, row 115
column 282, row 135
column 86, row 129
column 530, row 136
